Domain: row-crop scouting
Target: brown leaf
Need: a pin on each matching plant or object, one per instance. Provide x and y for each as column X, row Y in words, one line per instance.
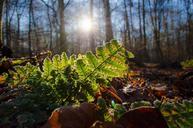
column 70, row 117
column 99, row 124
column 144, row 117
column 2, row 80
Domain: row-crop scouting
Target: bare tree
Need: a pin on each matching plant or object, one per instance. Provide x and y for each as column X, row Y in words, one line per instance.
column 140, row 25
column 189, row 28
column 92, row 40
column 144, row 31
column 108, row 22
column 30, row 27
column 1, row 23
column 155, row 7
column 127, row 26
column 62, row 43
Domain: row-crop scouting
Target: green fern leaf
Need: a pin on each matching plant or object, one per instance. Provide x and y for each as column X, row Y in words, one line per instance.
column 71, row 60
column 56, row 62
column 100, row 52
column 178, row 114
column 81, row 67
column 47, row 68
column 109, row 61
column 64, row 60
column 91, row 58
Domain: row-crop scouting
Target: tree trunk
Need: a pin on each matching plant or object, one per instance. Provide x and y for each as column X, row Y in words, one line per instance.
column 51, row 30
column 131, row 14
column 18, row 32
column 189, row 33
column 92, row 41
column 146, row 56
column 1, row 23
column 62, row 41
column 108, row 23
column 127, row 27
column 139, row 14
column 29, row 32
column 166, row 33
column 155, row 21
column 35, row 27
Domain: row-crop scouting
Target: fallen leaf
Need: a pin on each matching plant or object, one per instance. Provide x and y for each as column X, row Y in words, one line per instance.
column 144, row 117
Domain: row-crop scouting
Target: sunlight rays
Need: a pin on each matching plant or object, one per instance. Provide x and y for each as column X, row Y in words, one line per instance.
column 85, row 24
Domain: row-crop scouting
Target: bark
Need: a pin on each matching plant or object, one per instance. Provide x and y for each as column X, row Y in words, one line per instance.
column 139, row 14
column 92, row 41
column 108, row 22
column 7, row 24
column 51, row 29
column 1, row 23
column 144, row 31
column 62, row 41
column 166, row 33
column 35, row 26
column 127, row 27
column 156, row 22
column 29, row 32
column 131, row 14
column 18, row 30
column 189, row 32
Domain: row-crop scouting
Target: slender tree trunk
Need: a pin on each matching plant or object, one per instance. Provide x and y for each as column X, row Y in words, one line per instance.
column 1, row 22
column 127, row 27
column 35, row 27
column 108, row 22
column 146, row 56
column 18, row 32
column 155, row 21
column 131, row 14
column 189, row 28
column 62, row 45
column 29, row 32
column 166, row 33
column 7, row 24
column 139, row 14
column 92, row 41
column 51, row 30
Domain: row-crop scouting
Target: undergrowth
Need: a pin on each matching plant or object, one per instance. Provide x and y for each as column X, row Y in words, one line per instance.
column 61, row 81
column 177, row 114
column 187, row 63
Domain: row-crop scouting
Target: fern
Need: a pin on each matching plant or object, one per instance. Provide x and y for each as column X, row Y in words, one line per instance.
column 108, row 62
column 187, row 63
column 21, row 74
column 64, row 80
column 47, row 68
column 178, row 115
column 71, row 77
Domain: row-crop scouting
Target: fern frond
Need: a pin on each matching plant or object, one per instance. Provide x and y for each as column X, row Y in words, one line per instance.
column 178, row 115
column 109, row 61
column 47, row 68
column 81, row 67
column 56, row 62
column 22, row 74
column 92, row 60
column 64, row 60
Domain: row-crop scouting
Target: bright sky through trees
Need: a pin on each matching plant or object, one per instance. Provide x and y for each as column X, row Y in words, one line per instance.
column 85, row 24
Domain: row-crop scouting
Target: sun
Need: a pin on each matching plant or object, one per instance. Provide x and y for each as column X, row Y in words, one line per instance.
column 85, row 24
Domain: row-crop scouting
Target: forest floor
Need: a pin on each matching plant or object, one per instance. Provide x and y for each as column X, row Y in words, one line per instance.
column 155, row 83
column 141, row 84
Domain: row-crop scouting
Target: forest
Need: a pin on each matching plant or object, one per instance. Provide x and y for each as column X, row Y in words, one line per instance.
column 96, row 63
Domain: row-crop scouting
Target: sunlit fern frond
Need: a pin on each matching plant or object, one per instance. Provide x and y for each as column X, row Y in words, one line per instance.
column 178, row 115
column 108, row 62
